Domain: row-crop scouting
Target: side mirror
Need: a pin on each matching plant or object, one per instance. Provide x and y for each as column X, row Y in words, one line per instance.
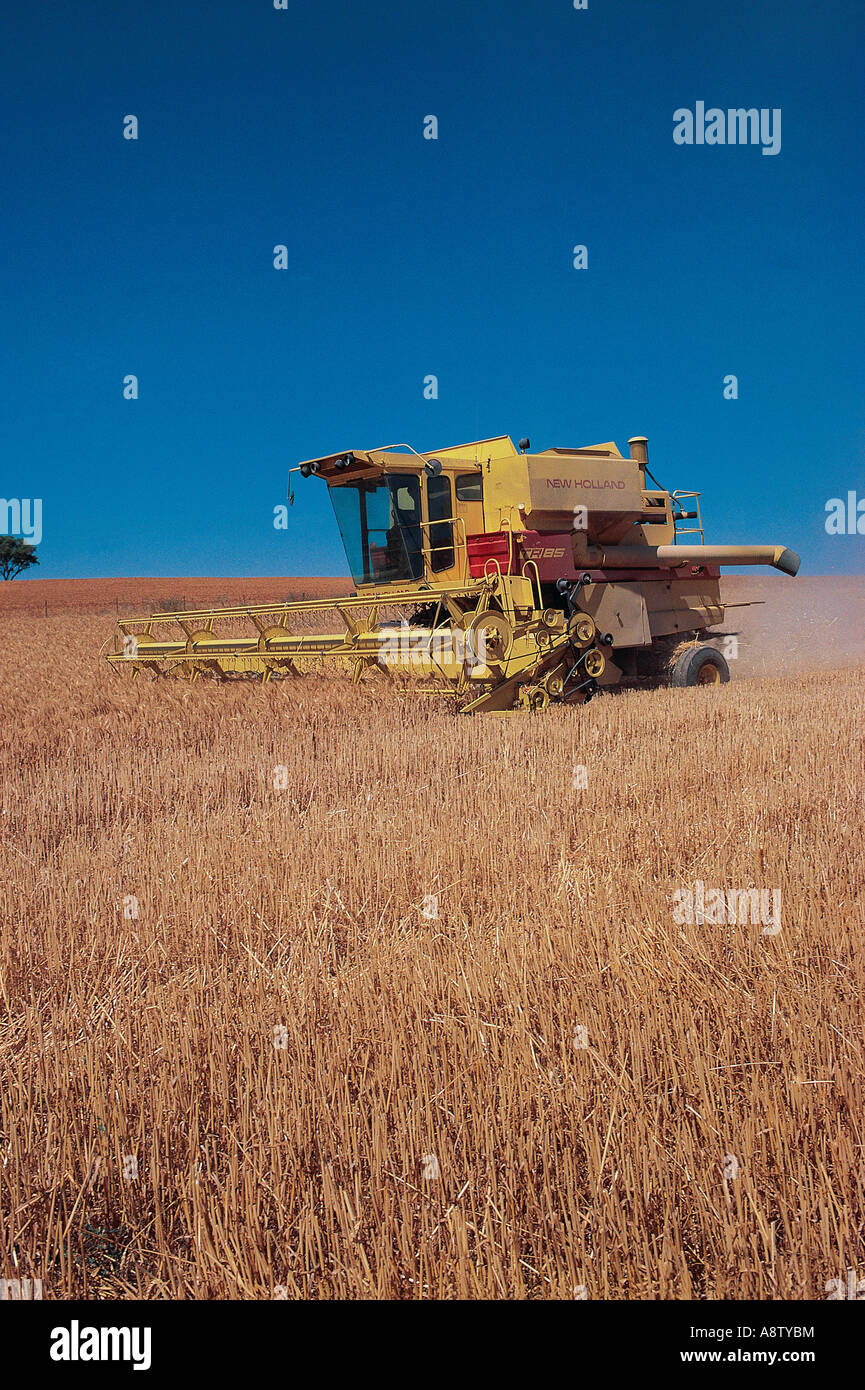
column 432, row 468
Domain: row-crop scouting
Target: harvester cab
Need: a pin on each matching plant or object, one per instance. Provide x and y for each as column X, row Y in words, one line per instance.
column 403, row 517
column 508, row 580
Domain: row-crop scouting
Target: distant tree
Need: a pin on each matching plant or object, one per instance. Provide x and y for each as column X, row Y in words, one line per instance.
column 15, row 556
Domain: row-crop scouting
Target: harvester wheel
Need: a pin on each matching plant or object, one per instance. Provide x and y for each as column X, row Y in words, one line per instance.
column 700, row 666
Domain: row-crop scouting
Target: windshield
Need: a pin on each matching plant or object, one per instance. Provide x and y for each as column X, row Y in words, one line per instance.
column 380, row 524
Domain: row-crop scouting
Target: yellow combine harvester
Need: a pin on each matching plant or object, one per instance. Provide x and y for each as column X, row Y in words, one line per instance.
column 504, row 578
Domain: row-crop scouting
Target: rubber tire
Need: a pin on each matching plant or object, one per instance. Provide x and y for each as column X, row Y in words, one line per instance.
column 692, row 661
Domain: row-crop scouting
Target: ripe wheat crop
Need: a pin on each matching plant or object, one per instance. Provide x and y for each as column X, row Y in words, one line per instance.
column 312, row 993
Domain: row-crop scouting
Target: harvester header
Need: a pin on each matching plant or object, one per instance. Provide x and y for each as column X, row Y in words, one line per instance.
column 517, row 579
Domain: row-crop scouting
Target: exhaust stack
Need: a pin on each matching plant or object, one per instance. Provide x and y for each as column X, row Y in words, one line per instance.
column 639, row 447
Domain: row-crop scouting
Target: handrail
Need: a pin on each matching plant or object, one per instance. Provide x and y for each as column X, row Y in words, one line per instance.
column 505, row 524
column 523, row 575
column 491, row 560
column 455, row 545
column 697, row 530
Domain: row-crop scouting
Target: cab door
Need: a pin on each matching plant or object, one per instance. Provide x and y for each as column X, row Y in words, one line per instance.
column 454, row 511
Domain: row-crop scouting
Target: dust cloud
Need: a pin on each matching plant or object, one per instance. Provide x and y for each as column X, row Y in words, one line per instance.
column 801, row 624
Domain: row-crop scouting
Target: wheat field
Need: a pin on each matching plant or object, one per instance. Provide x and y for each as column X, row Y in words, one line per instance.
column 309, row 994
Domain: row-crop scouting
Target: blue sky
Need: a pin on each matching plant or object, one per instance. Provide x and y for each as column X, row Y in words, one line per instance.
column 410, row 257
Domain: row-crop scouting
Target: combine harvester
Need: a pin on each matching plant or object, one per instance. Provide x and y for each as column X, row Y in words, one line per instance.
column 509, row 580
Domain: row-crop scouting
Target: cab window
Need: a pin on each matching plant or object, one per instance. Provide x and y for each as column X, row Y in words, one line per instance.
column 470, row 487
column 441, row 531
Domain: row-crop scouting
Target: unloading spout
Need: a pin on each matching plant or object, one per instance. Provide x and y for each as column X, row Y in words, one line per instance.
column 780, row 557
